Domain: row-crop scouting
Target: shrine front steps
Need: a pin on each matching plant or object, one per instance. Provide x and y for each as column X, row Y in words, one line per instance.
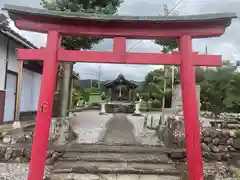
column 115, row 162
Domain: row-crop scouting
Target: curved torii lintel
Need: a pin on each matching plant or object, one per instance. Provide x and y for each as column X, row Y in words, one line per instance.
column 108, row 26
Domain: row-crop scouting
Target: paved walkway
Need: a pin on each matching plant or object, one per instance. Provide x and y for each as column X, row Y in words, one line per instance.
column 89, row 125
column 8, row 126
column 119, row 130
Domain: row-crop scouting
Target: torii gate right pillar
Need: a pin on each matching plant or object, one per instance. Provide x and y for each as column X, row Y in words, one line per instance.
column 190, row 109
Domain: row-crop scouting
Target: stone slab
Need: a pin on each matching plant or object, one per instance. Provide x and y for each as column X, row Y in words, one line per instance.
column 119, row 130
column 177, row 98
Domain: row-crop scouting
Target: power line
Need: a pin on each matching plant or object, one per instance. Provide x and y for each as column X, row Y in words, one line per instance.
column 168, row 13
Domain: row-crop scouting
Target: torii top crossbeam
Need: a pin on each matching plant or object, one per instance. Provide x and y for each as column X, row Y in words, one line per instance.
column 108, row 26
column 183, row 28
column 138, row 27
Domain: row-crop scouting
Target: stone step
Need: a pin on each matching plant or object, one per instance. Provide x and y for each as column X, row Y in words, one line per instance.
column 119, row 168
column 86, row 176
column 104, row 148
column 155, row 158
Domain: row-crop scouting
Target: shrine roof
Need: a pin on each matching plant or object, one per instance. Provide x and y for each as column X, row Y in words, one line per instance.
column 21, row 11
column 120, row 79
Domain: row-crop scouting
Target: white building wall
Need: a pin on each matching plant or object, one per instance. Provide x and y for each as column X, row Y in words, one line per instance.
column 3, row 50
column 37, row 79
column 30, row 90
column 31, row 82
column 12, row 61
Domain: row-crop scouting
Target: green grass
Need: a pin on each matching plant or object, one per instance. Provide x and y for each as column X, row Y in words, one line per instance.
column 95, row 98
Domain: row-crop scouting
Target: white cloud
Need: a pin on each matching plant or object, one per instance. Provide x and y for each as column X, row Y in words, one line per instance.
column 228, row 45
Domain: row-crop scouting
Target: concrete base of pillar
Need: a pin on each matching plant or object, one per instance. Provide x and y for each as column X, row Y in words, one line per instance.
column 137, row 114
column 103, row 109
column 16, row 124
column 137, row 111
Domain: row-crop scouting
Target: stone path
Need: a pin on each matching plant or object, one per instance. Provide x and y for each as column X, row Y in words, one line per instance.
column 89, row 125
column 119, row 130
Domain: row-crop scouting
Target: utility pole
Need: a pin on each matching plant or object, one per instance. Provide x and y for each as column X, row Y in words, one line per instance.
column 164, row 90
column 99, row 76
column 173, row 75
column 206, row 52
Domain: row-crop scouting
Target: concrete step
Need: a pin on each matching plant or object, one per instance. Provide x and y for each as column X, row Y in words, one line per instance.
column 119, row 162
column 105, row 148
column 156, row 158
column 87, row 176
column 118, row 168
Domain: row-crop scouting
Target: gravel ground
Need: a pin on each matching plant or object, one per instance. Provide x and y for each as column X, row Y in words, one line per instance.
column 13, row 171
column 212, row 171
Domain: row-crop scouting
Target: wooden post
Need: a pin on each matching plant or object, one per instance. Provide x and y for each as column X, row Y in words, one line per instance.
column 151, row 122
column 190, row 110
column 44, row 114
column 145, row 121
column 160, row 121
column 16, row 123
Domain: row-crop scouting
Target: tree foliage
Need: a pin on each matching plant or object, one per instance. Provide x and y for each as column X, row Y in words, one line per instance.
column 219, row 87
column 153, row 87
column 86, row 6
column 168, row 45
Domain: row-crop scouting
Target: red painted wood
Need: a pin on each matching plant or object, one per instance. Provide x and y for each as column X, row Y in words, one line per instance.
column 119, row 48
column 31, row 54
column 190, row 108
column 119, row 44
column 133, row 32
column 44, row 113
column 110, row 57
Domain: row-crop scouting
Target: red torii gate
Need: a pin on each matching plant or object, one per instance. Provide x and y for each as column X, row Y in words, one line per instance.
column 56, row 24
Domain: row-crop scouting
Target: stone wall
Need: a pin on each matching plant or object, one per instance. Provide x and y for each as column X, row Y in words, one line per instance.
column 173, row 135
column 217, row 144
column 61, row 131
column 177, row 98
column 224, row 115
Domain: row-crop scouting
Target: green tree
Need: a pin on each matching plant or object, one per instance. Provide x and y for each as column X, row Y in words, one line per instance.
column 77, row 43
column 153, row 88
column 86, row 6
column 219, row 89
column 86, row 94
column 168, row 45
column 76, row 96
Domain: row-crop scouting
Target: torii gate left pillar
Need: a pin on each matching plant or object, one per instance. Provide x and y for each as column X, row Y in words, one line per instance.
column 120, row 28
column 44, row 114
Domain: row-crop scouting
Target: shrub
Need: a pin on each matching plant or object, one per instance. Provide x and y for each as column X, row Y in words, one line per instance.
column 156, row 104
column 95, row 104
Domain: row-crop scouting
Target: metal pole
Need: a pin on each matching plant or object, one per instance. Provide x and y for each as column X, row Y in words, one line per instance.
column 99, row 76
column 16, row 123
column 173, row 74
